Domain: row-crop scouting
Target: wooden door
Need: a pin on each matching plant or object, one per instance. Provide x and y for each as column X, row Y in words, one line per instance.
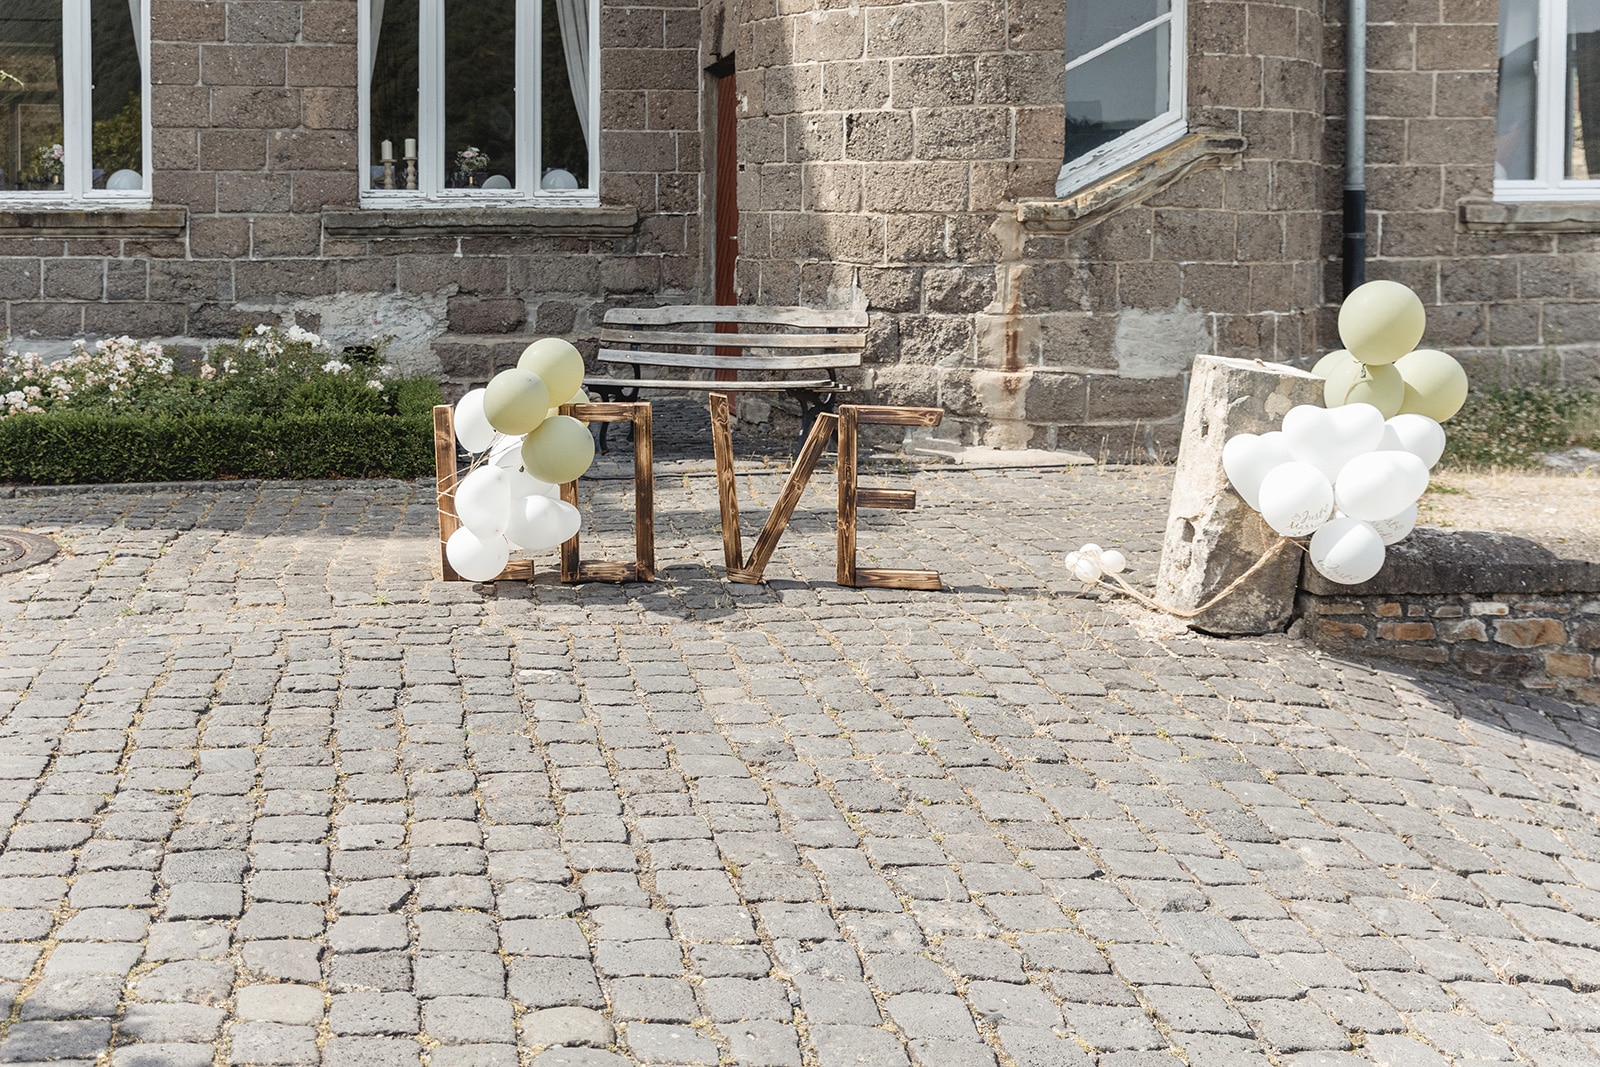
column 725, row 185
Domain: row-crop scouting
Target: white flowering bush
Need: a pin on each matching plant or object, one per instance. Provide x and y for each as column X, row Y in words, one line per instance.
column 269, row 370
column 278, row 402
column 112, row 373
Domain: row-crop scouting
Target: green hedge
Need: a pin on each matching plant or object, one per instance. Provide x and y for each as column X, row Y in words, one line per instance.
column 77, row 447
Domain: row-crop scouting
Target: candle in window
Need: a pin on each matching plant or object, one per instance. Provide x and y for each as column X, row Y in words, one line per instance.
column 388, row 152
column 411, row 148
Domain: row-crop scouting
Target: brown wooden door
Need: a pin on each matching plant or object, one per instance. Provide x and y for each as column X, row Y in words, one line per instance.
column 725, row 223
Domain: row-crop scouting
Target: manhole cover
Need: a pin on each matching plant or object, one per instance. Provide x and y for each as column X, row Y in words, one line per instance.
column 19, row 550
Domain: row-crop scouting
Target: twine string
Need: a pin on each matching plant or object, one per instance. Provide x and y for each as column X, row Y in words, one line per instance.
column 1227, row 591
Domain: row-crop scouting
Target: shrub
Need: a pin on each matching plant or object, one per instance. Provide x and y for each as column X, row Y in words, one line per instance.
column 1511, row 426
column 273, row 404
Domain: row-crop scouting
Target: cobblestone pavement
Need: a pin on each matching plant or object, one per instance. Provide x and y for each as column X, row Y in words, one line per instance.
column 274, row 795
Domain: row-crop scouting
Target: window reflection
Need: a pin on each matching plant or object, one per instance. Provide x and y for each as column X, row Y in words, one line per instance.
column 31, row 117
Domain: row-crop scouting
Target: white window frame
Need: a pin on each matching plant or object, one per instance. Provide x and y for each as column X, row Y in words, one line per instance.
column 431, row 191
column 77, row 120
column 1550, row 119
column 1141, row 140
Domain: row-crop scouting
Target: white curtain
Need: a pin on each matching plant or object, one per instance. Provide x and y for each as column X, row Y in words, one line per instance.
column 574, row 15
column 376, row 7
column 136, row 10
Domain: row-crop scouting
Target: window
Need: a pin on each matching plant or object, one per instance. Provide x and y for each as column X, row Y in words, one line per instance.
column 1547, row 124
column 1124, row 85
column 495, row 100
column 73, row 86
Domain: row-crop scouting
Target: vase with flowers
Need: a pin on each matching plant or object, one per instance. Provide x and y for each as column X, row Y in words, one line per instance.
column 470, row 165
column 48, row 165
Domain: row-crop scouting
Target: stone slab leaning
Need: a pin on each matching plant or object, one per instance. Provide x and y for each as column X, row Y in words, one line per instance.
column 1212, row 535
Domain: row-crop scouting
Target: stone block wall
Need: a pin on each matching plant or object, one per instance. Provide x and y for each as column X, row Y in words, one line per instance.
column 254, row 109
column 887, row 146
column 1487, row 605
column 1539, row 641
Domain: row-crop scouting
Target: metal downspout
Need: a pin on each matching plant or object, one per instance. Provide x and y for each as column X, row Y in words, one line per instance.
column 1355, row 147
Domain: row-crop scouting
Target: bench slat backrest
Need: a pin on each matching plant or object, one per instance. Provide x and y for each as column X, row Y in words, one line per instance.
column 686, row 336
column 804, row 318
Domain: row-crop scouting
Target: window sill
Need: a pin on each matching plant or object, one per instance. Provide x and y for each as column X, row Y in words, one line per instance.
column 1529, row 216
column 616, row 221
column 1130, row 185
column 93, row 222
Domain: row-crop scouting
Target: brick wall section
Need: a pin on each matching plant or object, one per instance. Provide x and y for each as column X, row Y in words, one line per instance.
column 1539, row 641
column 1512, row 306
column 254, row 109
column 886, row 142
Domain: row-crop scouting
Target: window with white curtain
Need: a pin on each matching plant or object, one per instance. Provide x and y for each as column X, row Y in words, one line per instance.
column 74, row 79
column 1125, row 77
column 1547, row 120
column 478, row 101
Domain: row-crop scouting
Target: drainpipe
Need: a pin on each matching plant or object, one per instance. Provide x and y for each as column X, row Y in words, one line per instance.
column 1355, row 146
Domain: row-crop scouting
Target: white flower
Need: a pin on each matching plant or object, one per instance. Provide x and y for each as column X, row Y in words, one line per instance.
column 334, row 366
column 373, row 383
column 263, row 329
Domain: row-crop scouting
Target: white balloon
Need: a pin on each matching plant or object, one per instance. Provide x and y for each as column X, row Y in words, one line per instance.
column 1397, row 527
column 483, row 501
column 1248, row 458
column 1113, row 562
column 1071, row 560
column 539, row 523
column 1332, row 437
column 1347, row 551
column 1296, row 499
column 507, row 452
column 472, row 428
column 1380, row 485
column 525, row 485
column 1417, row 434
column 475, row 559
column 1087, row 570
column 1090, row 549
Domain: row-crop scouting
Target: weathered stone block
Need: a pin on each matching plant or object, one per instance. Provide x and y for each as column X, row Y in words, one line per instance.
column 1463, row 630
column 1406, row 631
column 1212, row 535
column 1488, row 664
column 1568, row 665
column 225, row 64
column 471, row 314
column 1529, row 633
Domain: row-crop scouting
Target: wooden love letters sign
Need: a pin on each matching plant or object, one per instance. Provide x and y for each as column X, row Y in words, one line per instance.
column 852, row 497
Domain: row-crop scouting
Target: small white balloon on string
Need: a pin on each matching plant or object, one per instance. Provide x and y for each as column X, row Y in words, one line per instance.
column 1089, row 563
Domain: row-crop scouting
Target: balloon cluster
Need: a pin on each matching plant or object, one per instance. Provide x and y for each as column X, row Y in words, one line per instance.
column 1091, row 561
column 524, row 449
column 1350, row 474
column 1380, row 324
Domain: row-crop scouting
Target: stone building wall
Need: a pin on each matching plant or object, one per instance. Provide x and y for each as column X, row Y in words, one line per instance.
column 905, row 154
column 254, row 109
column 900, row 155
column 887, row 147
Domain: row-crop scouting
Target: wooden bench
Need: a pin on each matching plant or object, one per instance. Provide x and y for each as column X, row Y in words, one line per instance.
column 699, row 347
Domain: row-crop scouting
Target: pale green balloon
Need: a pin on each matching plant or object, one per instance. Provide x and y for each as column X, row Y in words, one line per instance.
column 1435, row 384
column 1354, row 382
column 558, row 363
column 1381, row 321
column 559, row 451
column 1333, row 359
column 515, row 401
